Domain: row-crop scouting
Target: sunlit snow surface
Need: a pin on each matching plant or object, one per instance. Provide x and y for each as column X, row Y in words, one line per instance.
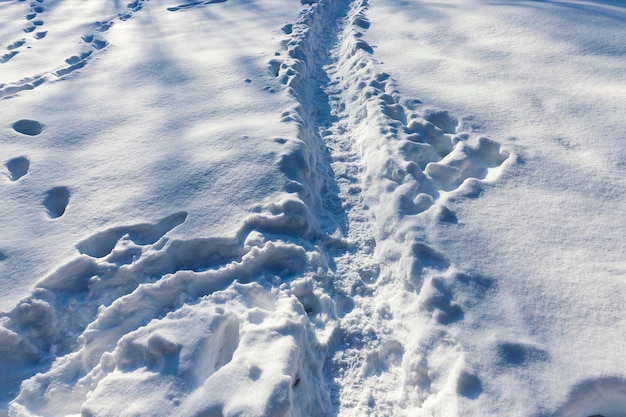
column 316, row 208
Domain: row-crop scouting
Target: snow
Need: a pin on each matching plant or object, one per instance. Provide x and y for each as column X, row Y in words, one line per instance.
column 549, row 233
column 347, row 208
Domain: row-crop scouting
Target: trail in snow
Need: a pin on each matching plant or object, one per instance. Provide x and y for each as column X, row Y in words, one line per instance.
column 33, row 17
column 329, row 291
column 395, row 164
column 91, row 42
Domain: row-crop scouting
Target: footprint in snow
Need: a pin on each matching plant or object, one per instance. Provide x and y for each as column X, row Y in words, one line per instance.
column 103, row 26
column 56, row 201
column 99, row 44
column 16, row 44
column 102, row 244
column 28, row 127
column 7, row 57
column 17, row 167
column 520, row 354
column 95, row 42
column 469, row 385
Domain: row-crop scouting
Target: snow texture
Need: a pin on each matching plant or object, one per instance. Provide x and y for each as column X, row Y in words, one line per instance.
column 318, row 208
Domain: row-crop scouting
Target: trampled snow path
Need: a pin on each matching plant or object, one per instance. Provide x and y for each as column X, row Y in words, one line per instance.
column 394, row 168
column 332, row 290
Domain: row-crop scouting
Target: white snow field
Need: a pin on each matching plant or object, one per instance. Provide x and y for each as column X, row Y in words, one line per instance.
column 312, row 208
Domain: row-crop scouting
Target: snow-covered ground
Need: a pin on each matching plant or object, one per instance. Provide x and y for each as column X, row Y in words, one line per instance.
column 317, row 208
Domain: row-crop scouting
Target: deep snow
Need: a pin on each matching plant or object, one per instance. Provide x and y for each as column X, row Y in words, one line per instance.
column 267, row 208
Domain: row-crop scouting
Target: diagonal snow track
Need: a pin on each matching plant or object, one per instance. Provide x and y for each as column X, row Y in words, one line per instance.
column 332, row 289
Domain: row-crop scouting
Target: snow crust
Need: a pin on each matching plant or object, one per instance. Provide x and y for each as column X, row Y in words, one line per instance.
column 325, row 208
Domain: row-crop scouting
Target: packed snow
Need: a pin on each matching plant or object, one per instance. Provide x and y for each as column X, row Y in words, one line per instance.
column 320, row 208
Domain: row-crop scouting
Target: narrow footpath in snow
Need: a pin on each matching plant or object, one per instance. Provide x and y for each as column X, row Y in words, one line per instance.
column 394, row 162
